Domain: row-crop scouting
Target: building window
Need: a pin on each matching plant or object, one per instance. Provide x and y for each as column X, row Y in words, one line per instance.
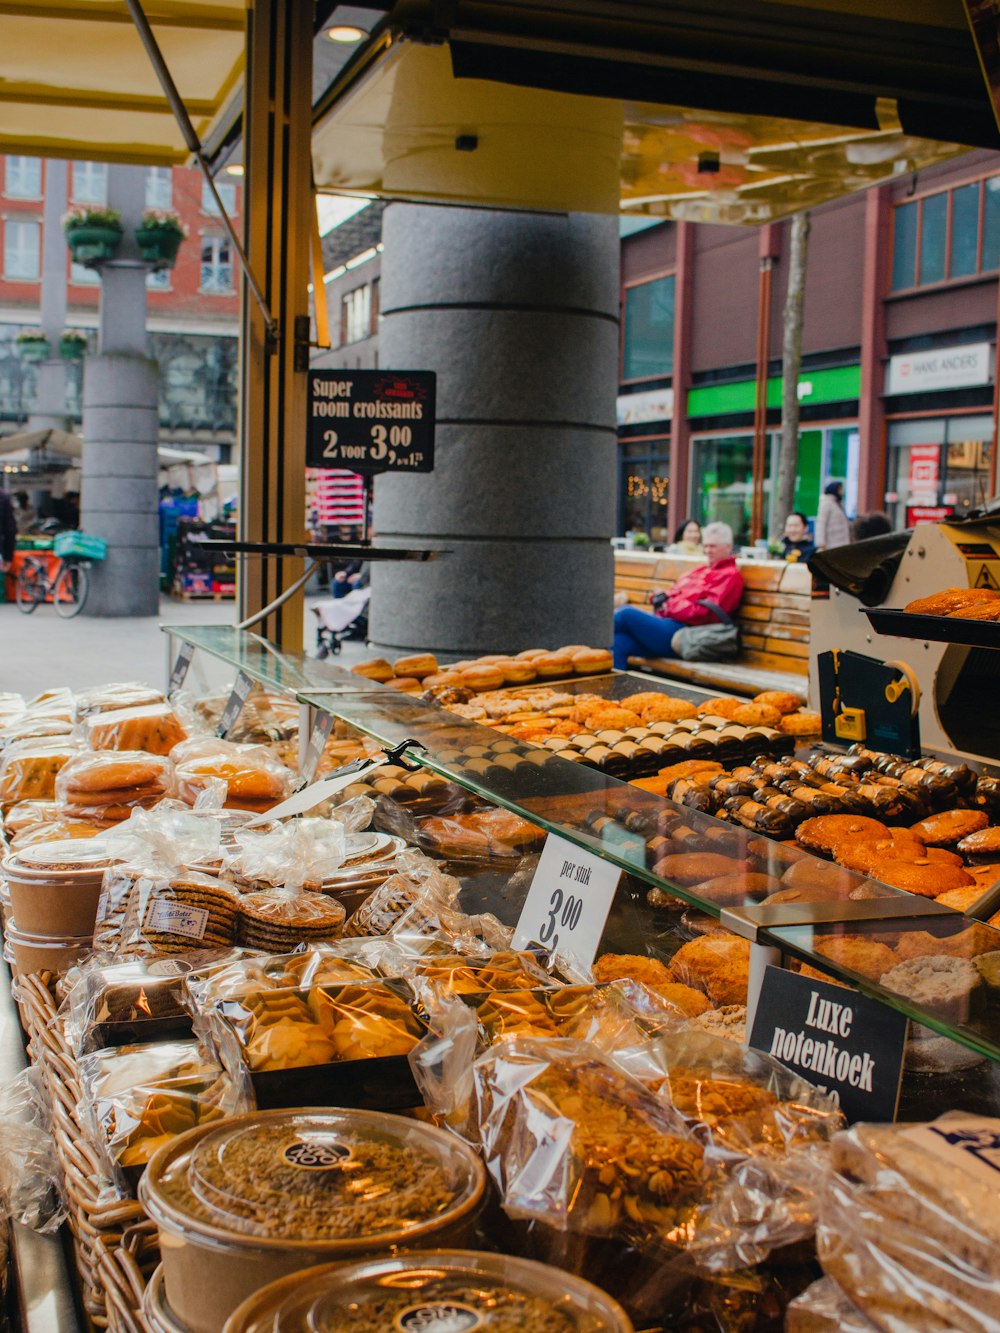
column 90, row 183
column 648, row 330
column 21, row 251
column 227, row 193
column 216, row 265
column 159, row 187
column 936, row 467
column 24, row 178
column 356, row 315
column 951, row 234
column 82, row 276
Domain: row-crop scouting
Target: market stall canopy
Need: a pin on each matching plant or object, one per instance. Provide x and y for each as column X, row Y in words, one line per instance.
column 76, row 82
column 71, row 446
column 708, row 110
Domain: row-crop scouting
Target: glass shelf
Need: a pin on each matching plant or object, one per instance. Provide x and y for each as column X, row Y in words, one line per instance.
column 661, row 845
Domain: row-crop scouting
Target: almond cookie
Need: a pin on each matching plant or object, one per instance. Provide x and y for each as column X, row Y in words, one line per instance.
column 984, row 843
column 692, row 867
column 727, row 889
column 823, row 833
column 866, row 857
column 928, row 878
column 950, row 827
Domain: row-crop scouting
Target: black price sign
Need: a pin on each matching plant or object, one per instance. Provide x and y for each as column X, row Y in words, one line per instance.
column 234, row 705
column 843, row 1043
column 179, row 674
column 371, row 420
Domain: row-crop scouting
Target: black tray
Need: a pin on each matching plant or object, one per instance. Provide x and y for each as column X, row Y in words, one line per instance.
column 939, row 629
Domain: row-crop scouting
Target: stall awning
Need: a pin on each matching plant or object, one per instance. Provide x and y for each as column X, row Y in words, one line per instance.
column 75, row 80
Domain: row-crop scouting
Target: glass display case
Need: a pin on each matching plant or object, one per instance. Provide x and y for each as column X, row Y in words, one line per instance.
column 687, row 873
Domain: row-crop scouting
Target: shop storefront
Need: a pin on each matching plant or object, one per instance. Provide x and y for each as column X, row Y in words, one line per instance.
column 644, row 440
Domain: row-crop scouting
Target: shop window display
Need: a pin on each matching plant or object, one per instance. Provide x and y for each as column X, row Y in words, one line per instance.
column 937, row 467
column 644, row 487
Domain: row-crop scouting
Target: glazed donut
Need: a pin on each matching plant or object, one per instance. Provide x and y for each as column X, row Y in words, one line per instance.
column 417, row 664
column 377, row 669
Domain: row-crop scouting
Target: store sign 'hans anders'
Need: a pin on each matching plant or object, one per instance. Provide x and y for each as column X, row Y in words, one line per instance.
column 371, row 420
column 948, row 368
column 843, row 1043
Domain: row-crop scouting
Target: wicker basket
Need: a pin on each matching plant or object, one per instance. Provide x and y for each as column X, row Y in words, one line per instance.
column 114, row 1242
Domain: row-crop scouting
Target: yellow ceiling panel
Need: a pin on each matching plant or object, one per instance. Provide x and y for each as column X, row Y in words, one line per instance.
column 75, row 80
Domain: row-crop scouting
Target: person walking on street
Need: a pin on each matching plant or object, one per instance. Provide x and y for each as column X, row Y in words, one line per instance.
column 8, row 531
column 640, row 633
column 832, row 526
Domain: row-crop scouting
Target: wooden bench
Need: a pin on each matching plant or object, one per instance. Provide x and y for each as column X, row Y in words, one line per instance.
column 773, row 617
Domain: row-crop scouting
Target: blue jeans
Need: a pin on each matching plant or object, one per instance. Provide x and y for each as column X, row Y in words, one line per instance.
column 639, row 633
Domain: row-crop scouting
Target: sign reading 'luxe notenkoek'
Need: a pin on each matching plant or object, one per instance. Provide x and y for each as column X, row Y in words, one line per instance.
column 371, row 420
column 842, row 1042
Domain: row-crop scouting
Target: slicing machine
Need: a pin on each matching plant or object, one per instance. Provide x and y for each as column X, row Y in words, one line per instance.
column 957, row 702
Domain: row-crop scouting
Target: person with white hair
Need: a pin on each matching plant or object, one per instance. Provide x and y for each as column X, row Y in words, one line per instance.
column 691, row 601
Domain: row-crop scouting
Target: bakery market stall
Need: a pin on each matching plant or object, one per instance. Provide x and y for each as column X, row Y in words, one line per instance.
column 513, row 925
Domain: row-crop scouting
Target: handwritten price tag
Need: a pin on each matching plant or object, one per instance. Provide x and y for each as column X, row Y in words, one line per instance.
column 569, row 900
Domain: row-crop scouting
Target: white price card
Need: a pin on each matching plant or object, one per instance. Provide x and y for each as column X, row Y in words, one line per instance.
column 568, row 901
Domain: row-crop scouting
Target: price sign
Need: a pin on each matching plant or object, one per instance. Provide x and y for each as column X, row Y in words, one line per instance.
column 317, row 743
column 568, row 900
column 371, row 420
column 179, row 674
column 844, row 1043
column 234, row 705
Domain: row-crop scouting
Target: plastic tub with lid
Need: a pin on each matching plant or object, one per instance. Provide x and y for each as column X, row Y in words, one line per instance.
column 242, row 1202
column 442, row 1291
column 42, row 953
column 55, row 886
column 155, row 1311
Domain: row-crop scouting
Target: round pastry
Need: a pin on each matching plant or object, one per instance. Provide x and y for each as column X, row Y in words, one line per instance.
column 666, row 709
column 950, row 599
column 377, row 669
column 693, row 867
column 943, row 983
column 417, row 664
column 637, row 702
column 719, row 965
column 529, row 654
column 823, row 877
column 802, row 723
column 570, row 648
column 655, row 975
column 756, row 715
column 591, row 661
column 823, row 833
column 553, row 664
column 866, row 857
column 783, row 700
column 949, row 827
column 442, row 680
column 867, row 957
column 776, row 857
column 960, row 900
column 111, row 771
column 926, row 877
column 721, row 707
column 984, row 875
column 481, row 678
column 977, row 611
column 406, row 684
column 984, row 843
column 727, row 889
column 517, row 672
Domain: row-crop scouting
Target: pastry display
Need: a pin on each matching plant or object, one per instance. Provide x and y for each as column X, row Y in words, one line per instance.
column 153, row 728
column 656, row 976
column 110, row 784
column 951, row 601
column 278, row 921
column 718, row 965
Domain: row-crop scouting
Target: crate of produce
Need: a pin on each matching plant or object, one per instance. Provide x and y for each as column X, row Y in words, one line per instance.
column 80, row 545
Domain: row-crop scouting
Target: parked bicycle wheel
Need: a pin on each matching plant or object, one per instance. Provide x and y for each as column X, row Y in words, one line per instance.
column 30, row 589
column 70, row 592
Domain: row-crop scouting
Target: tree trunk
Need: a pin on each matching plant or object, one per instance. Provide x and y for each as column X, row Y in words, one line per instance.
column 791, row 362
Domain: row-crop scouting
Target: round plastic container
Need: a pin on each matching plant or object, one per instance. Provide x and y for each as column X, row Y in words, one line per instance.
column 42, row 953
column 443, row 1291
column 155, row 1310
column 243, row 1202
column 55, row 886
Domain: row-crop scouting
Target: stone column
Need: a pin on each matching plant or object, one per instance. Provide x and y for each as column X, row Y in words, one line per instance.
column 518, row 315
column 120, row 498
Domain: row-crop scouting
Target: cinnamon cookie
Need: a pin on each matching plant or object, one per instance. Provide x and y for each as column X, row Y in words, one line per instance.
column 825, row 832
column 950, row 827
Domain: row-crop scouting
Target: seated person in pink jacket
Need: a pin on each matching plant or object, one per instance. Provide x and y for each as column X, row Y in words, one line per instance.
column 640, row 633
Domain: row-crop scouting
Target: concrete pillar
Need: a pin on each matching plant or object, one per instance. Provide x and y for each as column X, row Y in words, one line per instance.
column 120, row 499
column 518, row 315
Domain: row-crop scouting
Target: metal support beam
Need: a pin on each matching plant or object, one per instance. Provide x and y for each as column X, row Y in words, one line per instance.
column 278, row 213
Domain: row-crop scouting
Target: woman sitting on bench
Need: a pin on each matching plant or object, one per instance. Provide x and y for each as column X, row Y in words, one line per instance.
column 640, row 633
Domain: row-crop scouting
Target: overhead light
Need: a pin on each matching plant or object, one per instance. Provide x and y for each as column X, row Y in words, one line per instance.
column 345, row 32
column 235, row 169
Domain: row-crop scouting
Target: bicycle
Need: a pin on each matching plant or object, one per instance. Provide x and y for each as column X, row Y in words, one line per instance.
column 71, row 584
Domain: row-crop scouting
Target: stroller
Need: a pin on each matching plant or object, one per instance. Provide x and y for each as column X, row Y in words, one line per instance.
column 341, row 618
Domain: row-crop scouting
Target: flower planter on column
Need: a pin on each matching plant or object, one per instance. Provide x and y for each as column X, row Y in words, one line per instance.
column 32, row 349
column 159, row 245
column 72, row 347
column 93, row 235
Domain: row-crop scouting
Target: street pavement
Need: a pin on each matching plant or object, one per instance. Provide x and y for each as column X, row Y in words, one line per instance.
column 41, row 651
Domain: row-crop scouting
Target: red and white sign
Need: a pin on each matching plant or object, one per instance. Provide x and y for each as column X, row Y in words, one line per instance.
column 925, row 469
column 927, row 514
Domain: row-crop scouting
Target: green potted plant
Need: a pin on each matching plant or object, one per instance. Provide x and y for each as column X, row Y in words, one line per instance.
column 159, row 236
column 72, row 345
column 32, row 345
column 92, row 234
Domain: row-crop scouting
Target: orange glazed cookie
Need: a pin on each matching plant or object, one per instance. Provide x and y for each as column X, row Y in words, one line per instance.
column 802, row 723
column 951, row 599
column 928, row 878
column 720, row 707
column 984, row 843
column 693, row 867
column 866, row 857
column 867, row 957
column 823, row 833
column 950, row 827
column 727, row 889
column 783, row 700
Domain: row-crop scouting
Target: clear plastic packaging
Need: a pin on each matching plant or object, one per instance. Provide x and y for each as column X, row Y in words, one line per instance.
column 28, row 815
column 451, row 1289
column 823, row 1308
column 30, row 1175
column 301, row 853
column 137, row 1098
column 493, row 834
column 150, row 728
column 908, row 1224
column 317, row 965
column 279, row 920
column 111, row 698
column 109, row 785
column 212, row 1193
column 161, row 912
column 255, row 780
column 28, row 769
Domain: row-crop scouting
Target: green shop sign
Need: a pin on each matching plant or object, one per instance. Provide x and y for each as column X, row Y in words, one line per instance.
column 841, row 385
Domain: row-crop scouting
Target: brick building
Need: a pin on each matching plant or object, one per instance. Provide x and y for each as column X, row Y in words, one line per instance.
column 193, row 309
